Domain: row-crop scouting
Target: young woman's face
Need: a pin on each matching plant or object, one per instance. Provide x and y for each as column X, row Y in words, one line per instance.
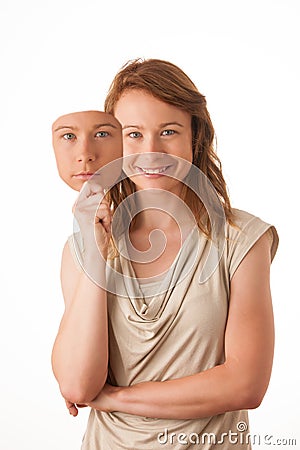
column 154, row 134
column 83, row 143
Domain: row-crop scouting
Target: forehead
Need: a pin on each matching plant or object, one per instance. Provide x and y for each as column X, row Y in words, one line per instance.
column 137, row 103
column 85, row 120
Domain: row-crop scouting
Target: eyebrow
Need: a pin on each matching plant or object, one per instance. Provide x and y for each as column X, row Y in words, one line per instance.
column 98, row 125
column 165, row 124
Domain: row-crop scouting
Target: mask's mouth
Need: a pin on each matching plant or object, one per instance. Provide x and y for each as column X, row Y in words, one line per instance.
column 84, row 175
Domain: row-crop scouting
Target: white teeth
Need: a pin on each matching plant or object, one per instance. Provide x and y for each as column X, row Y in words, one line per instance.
column 154, row 171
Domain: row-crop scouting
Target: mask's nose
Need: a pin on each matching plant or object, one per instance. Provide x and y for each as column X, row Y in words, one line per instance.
column 85, row 152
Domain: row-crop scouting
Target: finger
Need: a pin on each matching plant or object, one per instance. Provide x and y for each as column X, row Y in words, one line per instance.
column 68, row 403
column 92, row 189
column 73, row 411
column 93, row 199
column 72, row 408
column 89, row 187
column 89, row 191
column 103, row 212
column 103, row 215
column 94, row 185
column 86, row 211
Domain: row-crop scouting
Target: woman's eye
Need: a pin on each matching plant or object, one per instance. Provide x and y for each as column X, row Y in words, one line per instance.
column 168, row 132
column 69, row 136
column 135, row 134
column 102, row 134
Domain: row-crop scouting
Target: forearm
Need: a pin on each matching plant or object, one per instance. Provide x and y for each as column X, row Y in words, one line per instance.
column 208, row 393
column 80, row 352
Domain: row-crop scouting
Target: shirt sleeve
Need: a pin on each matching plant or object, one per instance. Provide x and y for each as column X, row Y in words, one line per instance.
column 245, row 232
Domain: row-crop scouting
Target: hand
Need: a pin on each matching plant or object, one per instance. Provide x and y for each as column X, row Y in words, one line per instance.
column 93, row 216
column 73, row 408
column 105, row 400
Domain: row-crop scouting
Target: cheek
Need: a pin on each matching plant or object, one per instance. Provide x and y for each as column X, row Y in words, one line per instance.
column 184, row 150
column 188, row 150
column 63, row 161
column 59, row 157
column 128, row 150
column 190, row 155
column 64, row 166
column 116, row 148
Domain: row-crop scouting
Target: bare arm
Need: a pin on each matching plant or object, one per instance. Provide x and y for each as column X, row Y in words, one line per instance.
column 239, row 383
column 80, row 352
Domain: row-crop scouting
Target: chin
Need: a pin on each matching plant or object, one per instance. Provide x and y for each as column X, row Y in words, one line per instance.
column 75, row 185
column 158, row 184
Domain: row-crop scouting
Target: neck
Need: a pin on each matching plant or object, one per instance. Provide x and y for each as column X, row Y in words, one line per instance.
column 162, row 210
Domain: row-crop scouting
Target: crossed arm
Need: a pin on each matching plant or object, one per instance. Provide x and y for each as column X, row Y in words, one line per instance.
column 80, row 351
column 239, row 383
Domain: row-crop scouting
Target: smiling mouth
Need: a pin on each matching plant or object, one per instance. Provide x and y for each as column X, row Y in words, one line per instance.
column 152, row 171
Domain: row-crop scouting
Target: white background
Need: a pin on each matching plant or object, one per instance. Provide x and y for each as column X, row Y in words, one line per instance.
column 60, row 56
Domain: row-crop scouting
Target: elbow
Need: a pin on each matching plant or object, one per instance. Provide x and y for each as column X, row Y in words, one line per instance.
column 78, row 387
column 81, row 393
column 251, row 401
column 254, row 398
column 247, row 387
column 249, row 397
column 75, row 395
column 82, row 390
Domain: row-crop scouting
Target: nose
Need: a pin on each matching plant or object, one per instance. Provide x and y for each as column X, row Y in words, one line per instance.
column 153, row 145
column 85, row 152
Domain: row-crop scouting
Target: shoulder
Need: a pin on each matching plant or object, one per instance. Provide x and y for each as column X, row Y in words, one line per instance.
column 242, row 234
column 242, row 218
column 247, row 226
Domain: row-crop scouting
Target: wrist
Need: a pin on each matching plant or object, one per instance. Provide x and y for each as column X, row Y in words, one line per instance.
column 118, row 396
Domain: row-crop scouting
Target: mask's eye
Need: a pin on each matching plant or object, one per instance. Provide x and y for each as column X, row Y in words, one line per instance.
column 135, row 134
column 101, row 134
column 168, row 132
column 69, row 136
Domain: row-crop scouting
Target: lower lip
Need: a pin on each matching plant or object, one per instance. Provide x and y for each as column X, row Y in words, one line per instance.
column 153, row 175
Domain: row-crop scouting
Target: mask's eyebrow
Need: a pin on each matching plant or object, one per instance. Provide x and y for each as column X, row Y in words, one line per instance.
column 108, row 124
column 65, row 127
column 98, row 125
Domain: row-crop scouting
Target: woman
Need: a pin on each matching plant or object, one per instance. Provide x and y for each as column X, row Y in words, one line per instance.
column 188, row 355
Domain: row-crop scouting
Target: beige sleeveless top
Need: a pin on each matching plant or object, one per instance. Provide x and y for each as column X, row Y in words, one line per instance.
column 174, row 331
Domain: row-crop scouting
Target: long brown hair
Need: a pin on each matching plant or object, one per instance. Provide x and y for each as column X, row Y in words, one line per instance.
column 169, row 83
